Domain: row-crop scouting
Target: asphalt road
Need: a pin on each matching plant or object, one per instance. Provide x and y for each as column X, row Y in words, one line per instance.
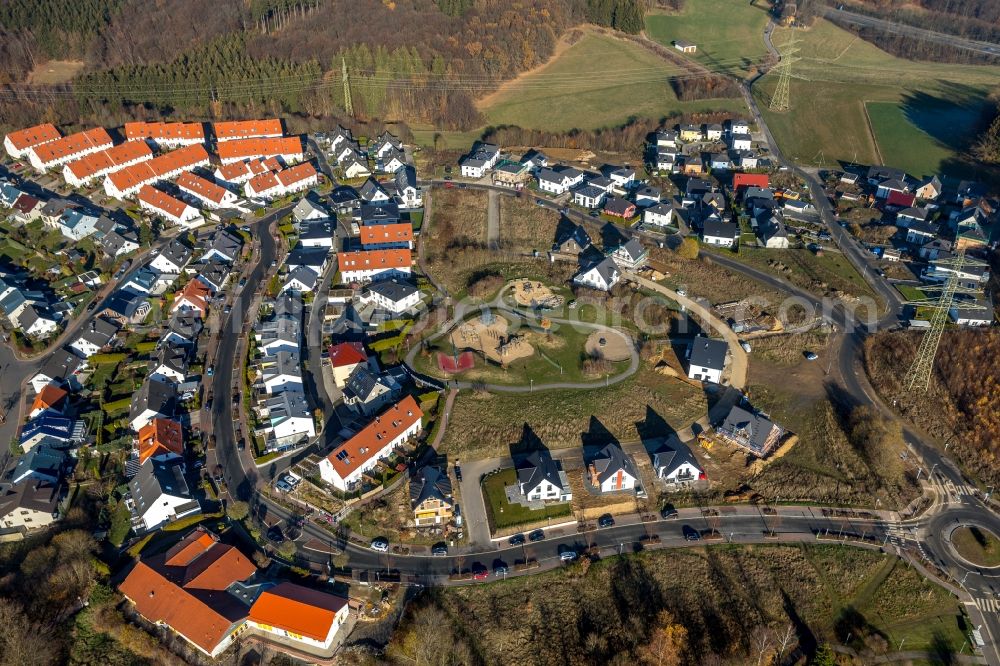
column 893, row 27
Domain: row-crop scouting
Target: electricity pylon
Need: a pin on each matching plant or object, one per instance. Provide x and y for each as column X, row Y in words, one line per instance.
column 348, row 105
column 919, row 374
column 781, row 99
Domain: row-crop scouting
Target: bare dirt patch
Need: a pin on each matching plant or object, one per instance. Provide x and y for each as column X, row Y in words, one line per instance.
column 54, row 71
column 488, row 336
column 534, row 294
column 601, row 344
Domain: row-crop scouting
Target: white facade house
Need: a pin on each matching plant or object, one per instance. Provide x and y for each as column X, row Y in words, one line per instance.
column 559, row 181
column 273, row 185
column 207, row 193
column 481, row 159
column 287, row 420
column 395, row 296
column 707, row 359
column 19, row 142
column 660, row 215
column 741, row 142
column 169, row 208
column 299, row 615
column 720, row 234
column 589, row 197
column 60, row 151
column 158, row 494
column 541, row 479
column 281, row 372
column 366, row 265
column 602, row 275
column 346, row 465
column 77, row 224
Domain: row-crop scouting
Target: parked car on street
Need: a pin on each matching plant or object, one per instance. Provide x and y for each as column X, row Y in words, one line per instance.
column 381, row 545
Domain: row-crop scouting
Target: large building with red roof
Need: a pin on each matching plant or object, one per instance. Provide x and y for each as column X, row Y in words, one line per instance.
column 97, row 165
column 56, row 153
column 287, row 148
column 128, row 181
column 18, row 143
column 276, row 184
column 347, row 464
column 247, row 129
column 208, row 593
column 169, row 208
column 166, row 135
column 365, row 265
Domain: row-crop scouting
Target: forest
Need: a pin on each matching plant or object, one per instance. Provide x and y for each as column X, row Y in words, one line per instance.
column 975, row 19
column 410, row 60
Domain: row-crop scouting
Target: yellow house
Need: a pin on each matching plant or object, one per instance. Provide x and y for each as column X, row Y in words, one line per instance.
column 430, row 497
column 690, row 133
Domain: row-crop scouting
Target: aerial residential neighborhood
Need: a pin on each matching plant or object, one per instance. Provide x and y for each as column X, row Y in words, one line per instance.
column 478, row 333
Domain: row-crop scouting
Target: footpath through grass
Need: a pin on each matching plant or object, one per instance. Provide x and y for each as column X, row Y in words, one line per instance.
column 504, row 514
column 599, row 81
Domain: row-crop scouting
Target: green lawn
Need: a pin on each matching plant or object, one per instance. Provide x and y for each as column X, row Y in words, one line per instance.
column 504, row 514
column 922, row 137
column 910, row 293
column 729, row 33
column 599, row 81
column 839, row 73
column 818, row 274
column 980, row 547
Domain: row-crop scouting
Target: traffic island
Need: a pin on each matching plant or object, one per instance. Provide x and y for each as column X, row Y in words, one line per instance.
column 977, row 545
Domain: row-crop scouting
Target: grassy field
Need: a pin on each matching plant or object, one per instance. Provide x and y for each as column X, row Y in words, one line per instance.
column 900, row 134
column 608, row 610
column 484, row 425
column 598, row 81
column 841, row 73
column 978, row 546
column 729, row 34
column 817, row 274
column 525, row 227
column 503, row 514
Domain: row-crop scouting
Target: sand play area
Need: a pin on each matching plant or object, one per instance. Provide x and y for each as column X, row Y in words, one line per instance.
column 610, row 346
column 488, row 335
column 533, row 294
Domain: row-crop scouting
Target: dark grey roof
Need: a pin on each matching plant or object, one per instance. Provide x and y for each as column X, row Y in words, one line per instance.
column 924, row 227
column 315, row 229
column 344, row 194
column 708, row 353
column 309, row 205
column 226, row 244
column 160, row 397
column 155, row 479
column 124, row 303
column 382, row 212
column 649, row 192
column 915, row 213
column 697, row 186
column 606, row 268
column 113, row 242
column 634, row 249
column 660, row 209
column 752, row 428
column 885, row 173
column 307, row 256
column 535, row 468
column 893, row 184
column 429, row 482
column 574, row 233
column 174, row 358
column 720, row 229
column 590, row 191
column 395, row 290
column 370, row 189
column 618, row 205
column 62, row 364
column 185, row 325
column 304, row 275
column 177, row 253
column 362, row 382
column 609, row 460
column 98, row 331
column 214, row 275
column 41, row 462
column 30, row 494
column 672, row 456
column 406, row 177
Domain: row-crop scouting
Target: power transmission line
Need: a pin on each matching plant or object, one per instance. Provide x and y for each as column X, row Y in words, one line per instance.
column 781, row 101
column 348, row 105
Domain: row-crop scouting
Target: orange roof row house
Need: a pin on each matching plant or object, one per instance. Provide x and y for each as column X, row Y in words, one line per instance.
column 374, row 234
column 19, row 141
column 373, row 260
column 166, row 133
column 105, row 161
column 239, row 172
column 187, row 589
column 387, row 427
column 202, row 188
column 247, row 129
column 160, row 437
column 289, row 147
column 62, row 150
column 131, row 179
column 161, row 202
column 280, row 182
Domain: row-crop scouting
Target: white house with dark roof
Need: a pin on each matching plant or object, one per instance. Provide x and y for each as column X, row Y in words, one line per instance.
column 589, row 197
column 541, row 479
column 559, row 180
column 481, row 159
column 394, row 296
column 158, row 494
column 660, row 215
column 675, row 465
column 612, row 470
column 719, row 233
column 707, row 359
column 750, row 430
column 173, row 258
column 602, row 275
column 408, row 193
column 96, row 335
column 630, row 255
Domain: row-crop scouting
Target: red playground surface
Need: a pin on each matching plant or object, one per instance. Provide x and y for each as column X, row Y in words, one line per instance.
column 447, row 363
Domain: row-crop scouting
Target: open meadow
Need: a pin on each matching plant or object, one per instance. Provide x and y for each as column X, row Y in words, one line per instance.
column 839, row 74
column 596, row 81
column 729, row 35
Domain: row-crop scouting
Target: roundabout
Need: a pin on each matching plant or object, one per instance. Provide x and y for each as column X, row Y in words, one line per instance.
column 976, row 545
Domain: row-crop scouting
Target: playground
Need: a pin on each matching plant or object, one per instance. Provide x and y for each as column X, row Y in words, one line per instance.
column 534, row 294
column 490, row 335
column 501, row 346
